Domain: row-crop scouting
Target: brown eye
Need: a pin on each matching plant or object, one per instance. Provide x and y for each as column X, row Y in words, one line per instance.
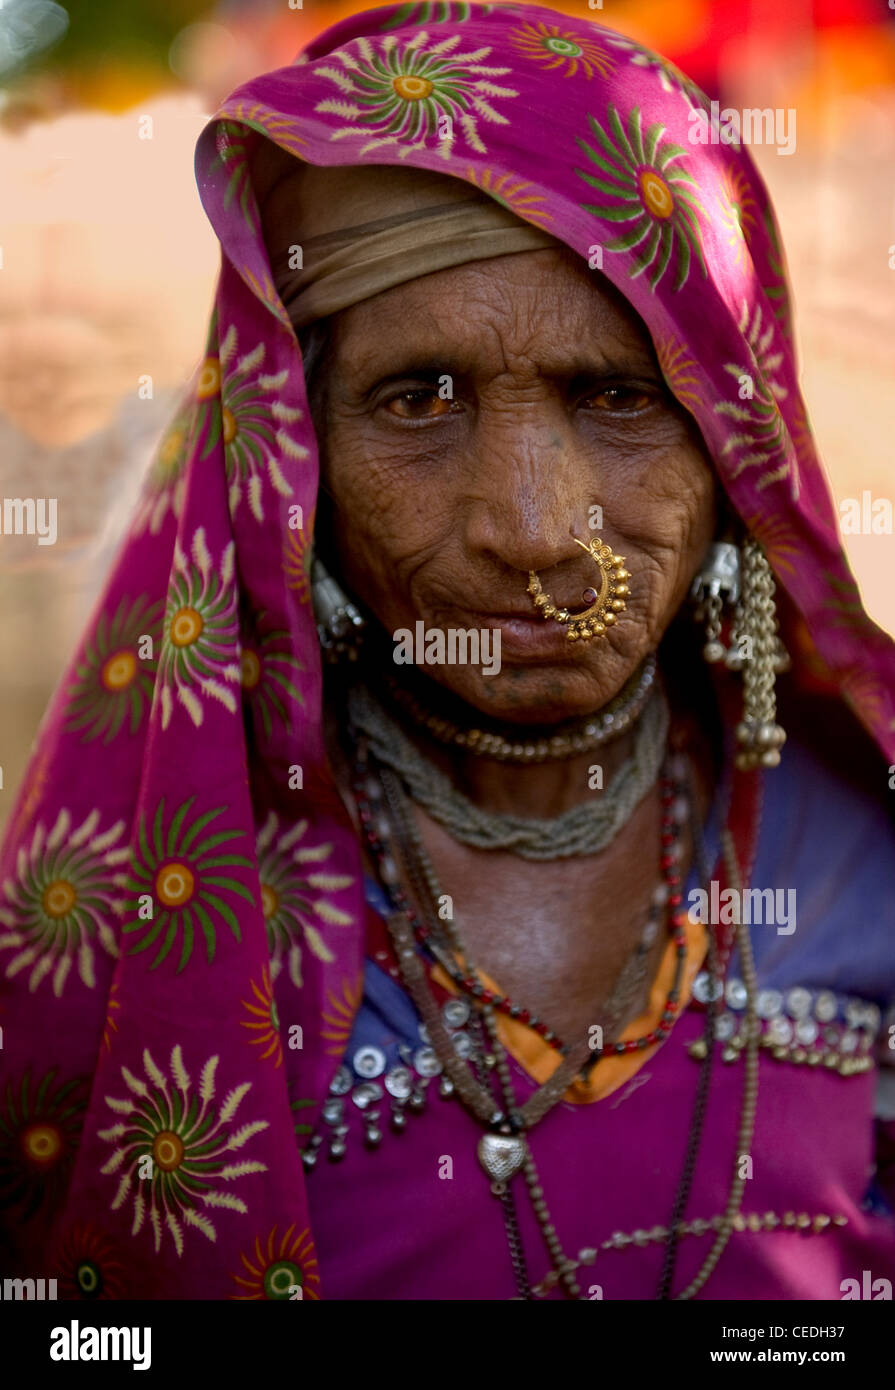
column 420, row 404
column 621, row 399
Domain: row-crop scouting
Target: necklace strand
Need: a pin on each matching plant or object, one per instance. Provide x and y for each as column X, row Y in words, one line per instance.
column 523, row 746
column 376, row 825
column 422, row 872
column 586, row 828
column 513, row 1119
column 466, row 978
column 750, row 1086
column 694, row 1137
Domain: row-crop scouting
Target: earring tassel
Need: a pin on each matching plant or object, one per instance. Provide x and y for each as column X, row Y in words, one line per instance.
column 759, row 736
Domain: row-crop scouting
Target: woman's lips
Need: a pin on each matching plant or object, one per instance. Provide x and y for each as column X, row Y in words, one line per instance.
column 525, row 639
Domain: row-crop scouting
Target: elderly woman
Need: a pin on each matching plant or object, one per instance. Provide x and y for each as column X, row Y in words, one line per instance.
column 436, row 877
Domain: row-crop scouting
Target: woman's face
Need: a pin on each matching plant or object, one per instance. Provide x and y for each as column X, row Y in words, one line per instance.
column 444, row 503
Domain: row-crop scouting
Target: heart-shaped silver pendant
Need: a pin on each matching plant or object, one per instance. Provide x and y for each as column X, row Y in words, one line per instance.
column 501, row 1155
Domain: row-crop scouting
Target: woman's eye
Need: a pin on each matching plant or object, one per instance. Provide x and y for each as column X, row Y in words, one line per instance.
column 621, row 399
column 423, row 403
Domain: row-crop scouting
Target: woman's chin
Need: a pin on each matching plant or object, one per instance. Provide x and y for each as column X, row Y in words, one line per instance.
column 541, row 693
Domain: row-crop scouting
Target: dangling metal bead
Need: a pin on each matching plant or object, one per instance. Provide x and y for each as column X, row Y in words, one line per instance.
column 336, row 1150
column 372, row 1132
column 746, row 581
column 398, row 1119
column 717, row 582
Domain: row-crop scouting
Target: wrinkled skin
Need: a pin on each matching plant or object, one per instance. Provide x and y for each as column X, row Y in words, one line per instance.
column 443, row 507
column 439, row 511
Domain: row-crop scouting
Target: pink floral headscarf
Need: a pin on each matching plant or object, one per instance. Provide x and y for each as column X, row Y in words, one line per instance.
column 181, row 907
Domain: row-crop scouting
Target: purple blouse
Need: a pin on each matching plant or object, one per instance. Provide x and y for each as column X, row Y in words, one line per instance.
column 413, row 1217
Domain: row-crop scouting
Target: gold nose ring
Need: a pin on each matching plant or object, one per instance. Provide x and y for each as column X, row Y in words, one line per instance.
column 604, row 606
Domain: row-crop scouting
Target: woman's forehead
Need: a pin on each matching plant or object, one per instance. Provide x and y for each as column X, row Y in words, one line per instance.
column 546, row 296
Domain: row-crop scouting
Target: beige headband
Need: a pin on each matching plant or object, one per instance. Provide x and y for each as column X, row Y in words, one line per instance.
column 365, row 229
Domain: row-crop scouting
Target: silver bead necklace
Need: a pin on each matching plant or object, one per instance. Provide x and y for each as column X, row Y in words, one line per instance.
column 585, row 828
column 504, row 1151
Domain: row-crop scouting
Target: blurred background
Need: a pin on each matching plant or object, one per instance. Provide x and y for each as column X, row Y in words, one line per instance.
column 108, row 265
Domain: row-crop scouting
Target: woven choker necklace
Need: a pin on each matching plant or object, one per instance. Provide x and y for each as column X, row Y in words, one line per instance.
column 517, row 745
column 584, row 829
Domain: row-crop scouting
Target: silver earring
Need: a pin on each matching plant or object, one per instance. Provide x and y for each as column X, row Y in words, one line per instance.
column 744, row 580
column 717, row 583
column 759, row 735
column 340, row 626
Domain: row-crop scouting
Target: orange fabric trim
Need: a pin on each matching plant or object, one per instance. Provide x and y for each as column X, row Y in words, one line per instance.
column 540, row 1060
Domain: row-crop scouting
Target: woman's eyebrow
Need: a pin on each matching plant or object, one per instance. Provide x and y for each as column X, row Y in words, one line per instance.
column 430, row 366
column 408, row 363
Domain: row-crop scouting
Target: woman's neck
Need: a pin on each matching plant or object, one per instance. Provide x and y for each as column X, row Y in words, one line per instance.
column 539, row 790
column 545, row 790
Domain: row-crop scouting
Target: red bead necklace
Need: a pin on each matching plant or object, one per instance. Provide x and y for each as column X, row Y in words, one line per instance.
column 376, row 829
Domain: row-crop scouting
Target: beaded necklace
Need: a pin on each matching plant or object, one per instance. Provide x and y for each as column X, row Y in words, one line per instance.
column 503, row 1151
column 527, row 746
column 429, row 937
column 585, row 828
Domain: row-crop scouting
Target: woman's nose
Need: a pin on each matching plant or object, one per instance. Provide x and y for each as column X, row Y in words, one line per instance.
column 530, row 496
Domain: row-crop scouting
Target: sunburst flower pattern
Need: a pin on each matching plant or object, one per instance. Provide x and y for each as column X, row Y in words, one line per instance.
column 339, row 1015
column 432, row 12
column 297, row 561
column 268, row 668
column 867, row 695
column 113, row 1007
column 185, row 871
column 40, row 1128
column 254, row 422
column 283, row 129
column 200, row 637
column 296, row 894
column 554, row 48
column 518, row 195
column 671, row 79
column 777, row 289
column 738, row 210
column 89, row 1265
column 275, row 1267
column 262, row 1020
column 302, row 1110
column 188, row 1133
column 266, row 290
column 63, row 899
column 114, row 681
column 760, row 439
column 777, row 541
column 232, row 157
column 680, row 370
column 398, row 95
column 844, row 608
column 165, row 481
column 648, row 189
column 761, row 339
column 803, row 442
